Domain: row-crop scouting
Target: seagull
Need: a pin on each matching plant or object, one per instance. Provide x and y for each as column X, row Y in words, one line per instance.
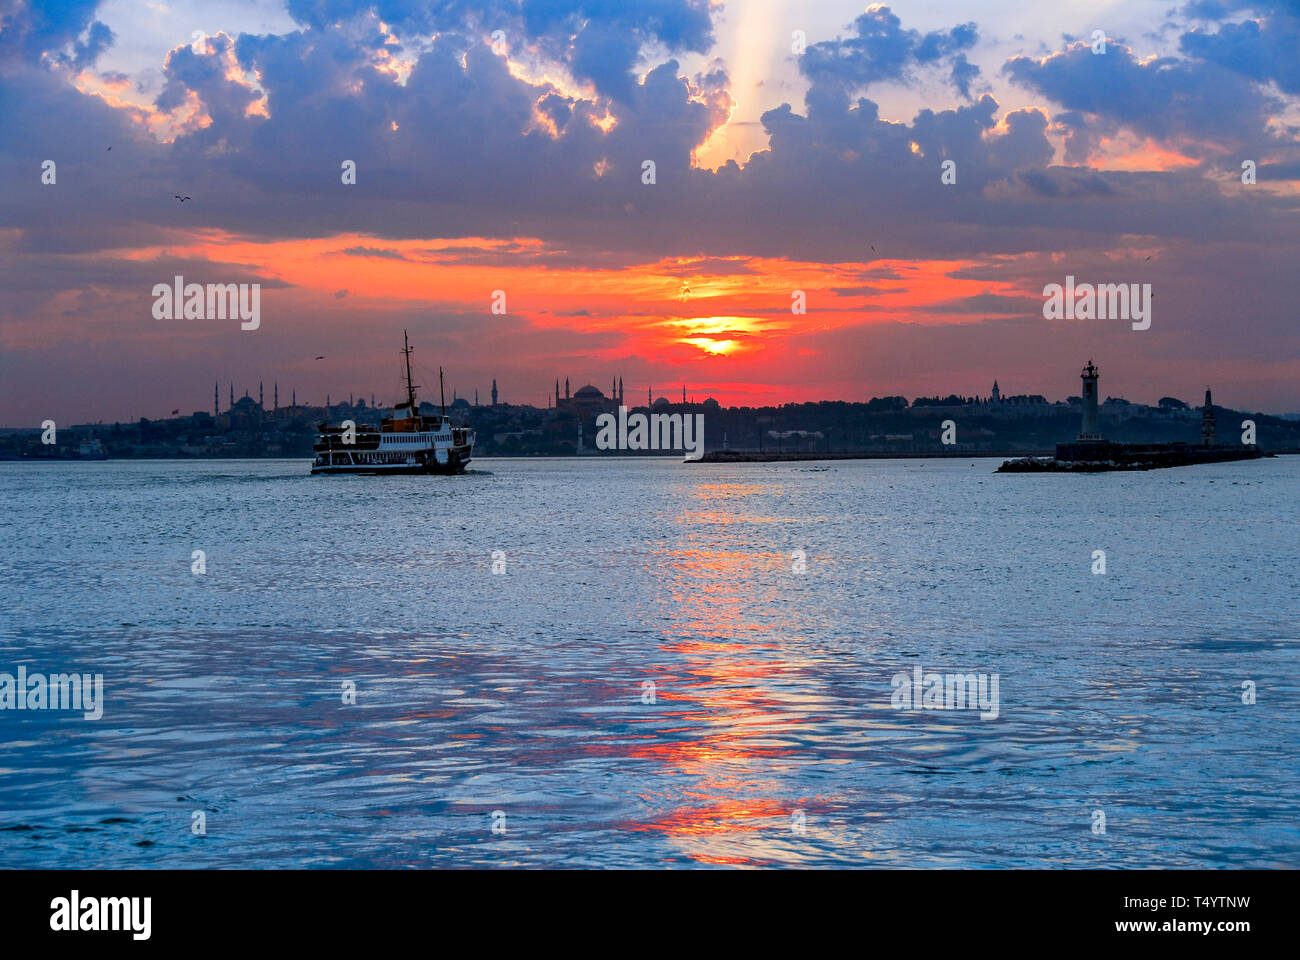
column 1152, row 255
column 180, row 198
column 110, row 148
column 320, row 358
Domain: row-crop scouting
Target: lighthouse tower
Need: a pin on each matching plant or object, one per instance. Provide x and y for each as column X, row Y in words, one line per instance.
column 1090, row 431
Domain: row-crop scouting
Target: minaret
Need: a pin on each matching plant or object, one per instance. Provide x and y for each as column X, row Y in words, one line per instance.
column 649, row 396
column 1089, row 429
column 620, row 391
column 294, row 400
column 476, row 396
column 566, row 388
column 215, row 403
column 277, row 399
column 613, row 388
column 232, row 394
column 683, row 394
column 494, row 391
column 557, row 391
column 259, row 393
column 1207, row 421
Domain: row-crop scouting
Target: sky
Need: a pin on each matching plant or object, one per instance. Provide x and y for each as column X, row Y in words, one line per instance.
column 500, row 145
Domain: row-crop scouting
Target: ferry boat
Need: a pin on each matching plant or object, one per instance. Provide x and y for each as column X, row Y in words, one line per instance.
column 404, row 443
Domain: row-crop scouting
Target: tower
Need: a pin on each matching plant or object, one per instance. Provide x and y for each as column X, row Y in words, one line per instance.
column 620, row 391
column 476, row 396
column 232, row 394
column 259, row 393
column 294, row 399
column 566, row 388
column 1089, row 429
column 494, row 391
column 649, row 396
column 215, row 403
column 557, row 391
column 1207, row 421
column 277, row 398
column 997, row 394
column 683, row 394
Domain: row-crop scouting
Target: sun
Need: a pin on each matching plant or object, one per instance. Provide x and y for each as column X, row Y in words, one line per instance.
column 711, row 346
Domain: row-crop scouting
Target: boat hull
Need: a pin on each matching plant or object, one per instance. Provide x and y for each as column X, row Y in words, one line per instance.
column 455, row 464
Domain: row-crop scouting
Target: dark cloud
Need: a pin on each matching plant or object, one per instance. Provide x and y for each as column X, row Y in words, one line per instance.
column 1266, row 49
column 600, row 39
column 989, row 304
column 1163, row 97
column 883, row 50
column 85, row 52
column 863, row 291
column 380, row 252
column 28, row 30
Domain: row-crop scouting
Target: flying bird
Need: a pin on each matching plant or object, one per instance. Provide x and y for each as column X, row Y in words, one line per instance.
column 1152, row 255
column 320, row 358
column 180, row 198
column 110, row 148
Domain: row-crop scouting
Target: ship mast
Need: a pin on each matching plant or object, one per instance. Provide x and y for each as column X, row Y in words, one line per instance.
column 410, row 387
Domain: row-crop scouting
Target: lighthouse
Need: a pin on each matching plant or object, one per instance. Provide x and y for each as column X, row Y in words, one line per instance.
column 1089, row 431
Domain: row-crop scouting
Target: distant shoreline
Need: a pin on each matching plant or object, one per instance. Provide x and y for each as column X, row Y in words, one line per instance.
column 755, row 456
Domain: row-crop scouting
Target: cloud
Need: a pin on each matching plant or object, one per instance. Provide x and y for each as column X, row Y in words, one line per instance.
column 374, row 252
column 1266, row 49
column 883, row 50
column 709, row 266
column 1165, row 98
column 28, row 30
